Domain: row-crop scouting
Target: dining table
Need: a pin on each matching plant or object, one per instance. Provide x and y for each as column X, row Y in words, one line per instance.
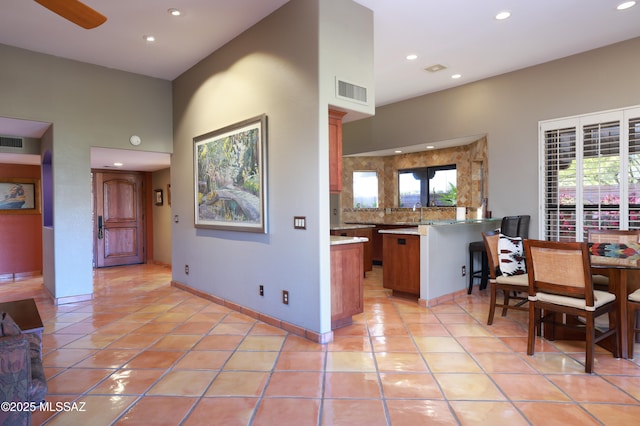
column 616, row 264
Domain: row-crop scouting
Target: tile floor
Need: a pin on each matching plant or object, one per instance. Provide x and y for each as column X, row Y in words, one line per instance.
column 142, row 352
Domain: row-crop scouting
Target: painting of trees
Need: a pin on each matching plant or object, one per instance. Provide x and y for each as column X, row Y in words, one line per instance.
column 229, row 175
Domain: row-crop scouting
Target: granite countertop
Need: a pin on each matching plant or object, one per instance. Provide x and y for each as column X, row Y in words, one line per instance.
column 345, row 226
column 336, row 240
column 404, row 231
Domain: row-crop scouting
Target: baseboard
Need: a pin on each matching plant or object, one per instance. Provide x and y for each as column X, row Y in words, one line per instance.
column 275, row 322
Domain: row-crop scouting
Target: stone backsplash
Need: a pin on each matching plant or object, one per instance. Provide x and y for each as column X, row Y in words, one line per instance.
column 472, row 177
column 398, row 215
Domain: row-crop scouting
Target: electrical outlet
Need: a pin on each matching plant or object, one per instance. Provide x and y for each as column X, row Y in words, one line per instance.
column 285, row 297
column 186, row 269
column 464, row 271
column 261, row 290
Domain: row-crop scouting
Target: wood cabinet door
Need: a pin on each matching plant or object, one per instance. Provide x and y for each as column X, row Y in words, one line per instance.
column 401, row 263
column 347, row 283
column 119, row 235
column 335, row 151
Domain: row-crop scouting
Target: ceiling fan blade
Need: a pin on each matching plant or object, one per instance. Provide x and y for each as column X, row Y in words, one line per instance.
column 75, row 11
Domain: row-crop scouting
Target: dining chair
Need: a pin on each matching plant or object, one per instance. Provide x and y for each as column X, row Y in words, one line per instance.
column 633, row 306
column 560, row 282
column 616, row 236
column 512, row 286
column 513, row 226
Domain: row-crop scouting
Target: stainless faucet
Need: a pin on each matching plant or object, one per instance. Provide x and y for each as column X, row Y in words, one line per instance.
column 418, row 204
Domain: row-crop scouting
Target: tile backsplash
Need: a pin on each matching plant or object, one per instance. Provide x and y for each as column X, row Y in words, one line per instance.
column 471, row 166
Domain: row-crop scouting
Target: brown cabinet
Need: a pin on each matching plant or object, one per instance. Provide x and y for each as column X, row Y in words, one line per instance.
column 347, row 283
column 335, row 150
column 401, row 263
column 377, row 241
column 367, row 258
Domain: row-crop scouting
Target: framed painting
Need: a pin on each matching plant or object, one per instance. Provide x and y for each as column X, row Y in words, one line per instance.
column 19, row 196
column 158, row 197
column 230, row 177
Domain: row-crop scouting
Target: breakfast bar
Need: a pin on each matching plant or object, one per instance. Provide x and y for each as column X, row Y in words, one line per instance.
column 442, row 259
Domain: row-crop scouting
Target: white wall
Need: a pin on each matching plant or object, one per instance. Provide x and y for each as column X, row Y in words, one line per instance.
column 272, row 68
column 508, row 108
column 87, row 106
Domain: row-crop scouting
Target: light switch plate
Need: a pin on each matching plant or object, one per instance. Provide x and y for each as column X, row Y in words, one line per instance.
column 299, row 222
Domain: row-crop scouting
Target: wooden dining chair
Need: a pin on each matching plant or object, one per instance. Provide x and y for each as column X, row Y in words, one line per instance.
column 633, row 306
column 560, row 282
column 514, row 287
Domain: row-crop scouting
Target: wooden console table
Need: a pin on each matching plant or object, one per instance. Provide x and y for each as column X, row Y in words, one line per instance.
column 25, row 314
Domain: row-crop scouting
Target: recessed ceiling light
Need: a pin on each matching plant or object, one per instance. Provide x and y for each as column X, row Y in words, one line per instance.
column 503, row 15
column 430, row 146
column 398, row 151
column 412, row 57
column 149, row 38
column 456, row 76
column 174, row 12
column 626, row 5
column 118, row 164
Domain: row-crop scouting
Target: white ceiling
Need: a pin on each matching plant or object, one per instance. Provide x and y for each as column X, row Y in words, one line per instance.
column 462, row 35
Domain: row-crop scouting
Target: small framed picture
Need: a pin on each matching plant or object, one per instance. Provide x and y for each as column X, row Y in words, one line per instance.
column 19, row 196
column 158, row 197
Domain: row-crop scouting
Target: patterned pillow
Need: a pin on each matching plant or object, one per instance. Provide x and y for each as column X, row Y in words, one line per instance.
column 8, row 327
column 511, row 256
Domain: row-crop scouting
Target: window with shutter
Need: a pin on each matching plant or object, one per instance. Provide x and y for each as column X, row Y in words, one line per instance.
column 591, row 176
column 634, row 172
column 560, row 183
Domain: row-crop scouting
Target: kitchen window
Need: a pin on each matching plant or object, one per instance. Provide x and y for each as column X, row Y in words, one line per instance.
column 429, row 186
column 365, row 189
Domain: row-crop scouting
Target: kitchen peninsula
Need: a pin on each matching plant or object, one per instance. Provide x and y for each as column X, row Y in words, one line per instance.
column 440, row 252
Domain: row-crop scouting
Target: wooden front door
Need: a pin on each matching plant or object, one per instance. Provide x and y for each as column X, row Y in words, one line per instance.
column 119, row 220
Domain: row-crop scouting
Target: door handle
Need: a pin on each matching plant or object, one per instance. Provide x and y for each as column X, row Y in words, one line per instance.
column 402, row 241
column 99, row 227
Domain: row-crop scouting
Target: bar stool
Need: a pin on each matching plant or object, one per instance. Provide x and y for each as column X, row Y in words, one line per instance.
column 475, row 248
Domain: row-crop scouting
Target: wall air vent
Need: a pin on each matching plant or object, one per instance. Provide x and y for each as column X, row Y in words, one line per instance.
column 351, row 92
column 10, row 142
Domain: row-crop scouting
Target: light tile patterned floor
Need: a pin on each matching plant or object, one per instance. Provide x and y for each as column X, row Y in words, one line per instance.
column 145, row 353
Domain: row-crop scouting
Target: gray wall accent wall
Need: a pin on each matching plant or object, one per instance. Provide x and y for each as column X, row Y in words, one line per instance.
column 272, row 68
column 508, row 108
column 88, row 106
column 162, row 219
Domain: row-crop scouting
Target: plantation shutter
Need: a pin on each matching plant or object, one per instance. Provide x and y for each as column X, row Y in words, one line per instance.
column 590, row 174
column 632, row 119
column 559, row 154
column 601, row 173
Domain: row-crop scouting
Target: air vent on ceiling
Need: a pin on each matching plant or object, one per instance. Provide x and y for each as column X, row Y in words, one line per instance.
column 351, row 92
column 10, row 142
column 435, row 68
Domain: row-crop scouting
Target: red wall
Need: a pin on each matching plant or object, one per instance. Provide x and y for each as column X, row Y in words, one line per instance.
column 20, row 234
